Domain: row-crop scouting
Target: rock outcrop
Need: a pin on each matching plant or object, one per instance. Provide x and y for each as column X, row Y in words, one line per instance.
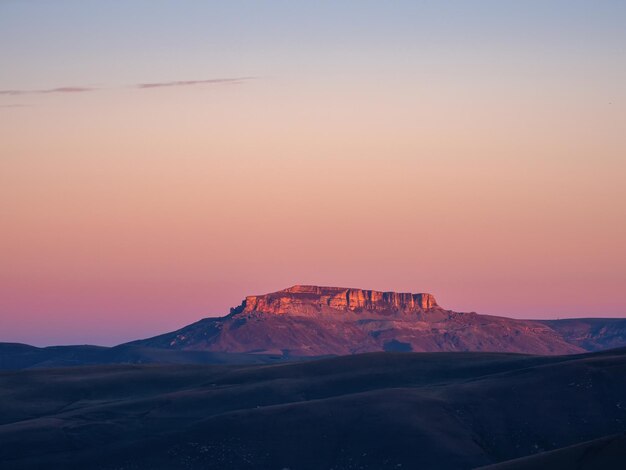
column 297, row 298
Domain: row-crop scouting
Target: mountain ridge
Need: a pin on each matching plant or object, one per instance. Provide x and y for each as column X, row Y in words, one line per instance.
column 309, row 320
column 305, row 322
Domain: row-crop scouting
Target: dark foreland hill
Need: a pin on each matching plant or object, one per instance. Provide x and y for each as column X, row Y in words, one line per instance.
column 317, row 321
column 375, row 411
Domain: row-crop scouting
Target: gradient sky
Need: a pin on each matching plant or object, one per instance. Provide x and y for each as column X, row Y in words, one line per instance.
column 474, row 150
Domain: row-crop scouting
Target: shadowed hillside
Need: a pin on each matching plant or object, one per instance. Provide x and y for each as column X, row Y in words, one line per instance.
column 603, row 453
column 591, row 334
column 371, row 411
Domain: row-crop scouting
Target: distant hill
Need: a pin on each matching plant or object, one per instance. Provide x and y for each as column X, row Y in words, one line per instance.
column 591, row 334
column 315, row 321
column 311, row 322
column 432, row 411
column 14, row 356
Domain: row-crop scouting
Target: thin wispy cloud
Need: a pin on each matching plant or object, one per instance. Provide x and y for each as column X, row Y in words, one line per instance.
column 83, row 89
column 65, row 89
column 16, row 105
column 69, row 89
column 194, row 82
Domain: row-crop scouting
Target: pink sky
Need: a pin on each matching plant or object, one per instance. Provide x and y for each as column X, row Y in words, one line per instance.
column 483, row 166
column 161, row 209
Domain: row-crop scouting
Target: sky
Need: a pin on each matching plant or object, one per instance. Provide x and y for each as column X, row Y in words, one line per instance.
column 161, row 160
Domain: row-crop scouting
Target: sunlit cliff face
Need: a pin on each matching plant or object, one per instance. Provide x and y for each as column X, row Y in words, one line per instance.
column 299, row 298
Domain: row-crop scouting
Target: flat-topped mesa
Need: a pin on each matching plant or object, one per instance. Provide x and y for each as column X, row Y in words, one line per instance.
column 299, row 299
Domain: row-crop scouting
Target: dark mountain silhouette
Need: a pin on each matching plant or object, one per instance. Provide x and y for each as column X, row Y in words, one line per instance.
column 369, row 411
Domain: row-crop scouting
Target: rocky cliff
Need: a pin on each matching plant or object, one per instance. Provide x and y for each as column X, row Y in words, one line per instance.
column 298, row 299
